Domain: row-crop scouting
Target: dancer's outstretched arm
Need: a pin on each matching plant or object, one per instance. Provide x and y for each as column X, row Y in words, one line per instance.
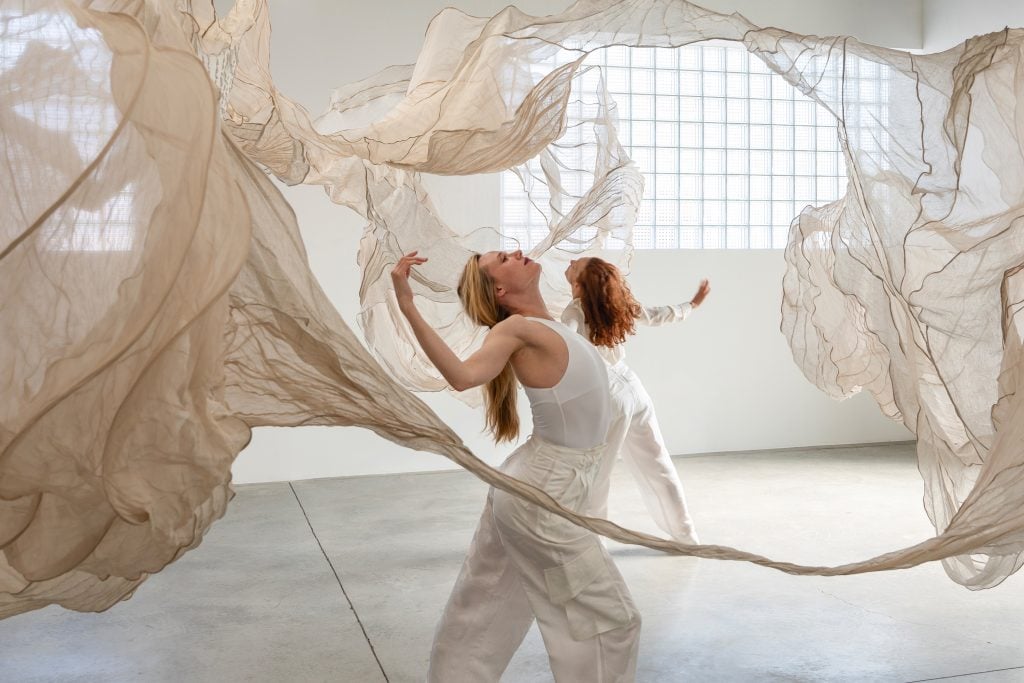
column 482, row 366
column 660, row 315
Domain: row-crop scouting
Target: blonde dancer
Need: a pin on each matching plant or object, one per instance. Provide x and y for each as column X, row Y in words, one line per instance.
column 604, row 311
column 524, row 562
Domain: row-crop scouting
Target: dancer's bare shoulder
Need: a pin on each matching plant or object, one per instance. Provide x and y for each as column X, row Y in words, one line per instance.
column 519, row 326
column 530, row 333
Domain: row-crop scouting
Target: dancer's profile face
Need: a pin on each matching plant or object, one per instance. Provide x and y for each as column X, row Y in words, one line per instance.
column 572, row 273
column 510, row 270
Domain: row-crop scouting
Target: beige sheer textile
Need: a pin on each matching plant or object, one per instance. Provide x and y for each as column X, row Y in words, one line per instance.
column 158, row 302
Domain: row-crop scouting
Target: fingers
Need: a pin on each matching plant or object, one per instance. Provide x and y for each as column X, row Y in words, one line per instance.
column 412, row 259
column 405, row 264
column 702, row 292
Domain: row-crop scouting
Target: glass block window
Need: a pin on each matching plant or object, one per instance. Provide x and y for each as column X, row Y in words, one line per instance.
column 731, row 153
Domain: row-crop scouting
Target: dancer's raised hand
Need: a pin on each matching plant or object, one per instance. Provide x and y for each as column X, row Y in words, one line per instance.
column 702, row 292
column 400, row 276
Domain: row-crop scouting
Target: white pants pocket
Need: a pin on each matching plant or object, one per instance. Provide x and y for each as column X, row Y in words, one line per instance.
column 591, row 591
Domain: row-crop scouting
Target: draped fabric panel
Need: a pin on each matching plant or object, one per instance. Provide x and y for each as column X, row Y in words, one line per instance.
column 159, row 302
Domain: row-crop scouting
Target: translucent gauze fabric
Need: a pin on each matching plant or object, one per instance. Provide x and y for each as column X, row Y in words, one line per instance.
column 158, row 302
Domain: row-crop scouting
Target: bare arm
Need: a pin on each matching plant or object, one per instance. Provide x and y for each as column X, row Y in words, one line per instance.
column 481, row 367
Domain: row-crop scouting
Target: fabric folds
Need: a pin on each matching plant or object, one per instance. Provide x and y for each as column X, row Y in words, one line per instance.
column 158, row 301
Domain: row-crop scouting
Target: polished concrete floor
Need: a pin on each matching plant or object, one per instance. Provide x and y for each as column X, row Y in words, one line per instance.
column 344, row 579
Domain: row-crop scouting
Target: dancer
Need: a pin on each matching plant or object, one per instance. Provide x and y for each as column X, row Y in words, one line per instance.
column 604, row 311
column 524, row 562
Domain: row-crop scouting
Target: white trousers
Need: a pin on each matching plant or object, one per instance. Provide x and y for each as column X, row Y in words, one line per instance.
column 526, row 563
column 634, row 434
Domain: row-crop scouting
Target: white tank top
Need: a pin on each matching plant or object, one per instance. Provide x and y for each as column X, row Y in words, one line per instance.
column 576, row 411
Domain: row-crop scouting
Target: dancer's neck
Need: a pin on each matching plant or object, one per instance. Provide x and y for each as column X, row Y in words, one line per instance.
column 530, row 306
column 540, row 313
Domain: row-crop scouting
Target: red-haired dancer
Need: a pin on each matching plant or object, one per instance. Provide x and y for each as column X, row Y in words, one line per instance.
column 604, row 311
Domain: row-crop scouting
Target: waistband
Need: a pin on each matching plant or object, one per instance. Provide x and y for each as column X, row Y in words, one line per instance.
column 545, row 448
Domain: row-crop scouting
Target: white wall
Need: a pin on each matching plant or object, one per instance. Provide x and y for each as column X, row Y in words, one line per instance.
column 948, row 22
column 723, row 381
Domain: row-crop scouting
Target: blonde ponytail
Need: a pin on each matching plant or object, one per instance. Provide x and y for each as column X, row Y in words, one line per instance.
column 479, row 298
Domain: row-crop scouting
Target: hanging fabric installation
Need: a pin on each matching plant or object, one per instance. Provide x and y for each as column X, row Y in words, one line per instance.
column 160, row 304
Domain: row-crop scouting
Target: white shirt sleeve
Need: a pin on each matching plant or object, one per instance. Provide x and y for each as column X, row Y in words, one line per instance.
column 660, row 315
column 572, row 317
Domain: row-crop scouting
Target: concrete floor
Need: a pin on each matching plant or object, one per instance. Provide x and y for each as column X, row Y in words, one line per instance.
column 344, row 579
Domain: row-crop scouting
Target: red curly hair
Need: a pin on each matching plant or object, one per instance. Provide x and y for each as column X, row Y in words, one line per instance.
column 609, row 308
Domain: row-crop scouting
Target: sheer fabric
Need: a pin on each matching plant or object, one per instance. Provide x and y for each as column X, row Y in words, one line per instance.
column 159, row 303
column 908, row 286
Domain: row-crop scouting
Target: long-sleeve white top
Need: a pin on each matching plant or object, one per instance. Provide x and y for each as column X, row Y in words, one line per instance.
column 574, row 319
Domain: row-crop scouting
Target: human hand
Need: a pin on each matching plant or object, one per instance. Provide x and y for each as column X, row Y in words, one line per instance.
column 400, row 277
column 702, row 292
